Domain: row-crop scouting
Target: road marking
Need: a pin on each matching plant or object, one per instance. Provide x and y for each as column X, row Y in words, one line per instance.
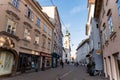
column 65, row 74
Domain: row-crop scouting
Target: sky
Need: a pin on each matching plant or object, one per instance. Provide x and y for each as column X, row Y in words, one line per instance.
column 73, row 14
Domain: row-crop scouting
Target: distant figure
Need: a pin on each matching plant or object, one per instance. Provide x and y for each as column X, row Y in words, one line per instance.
column 61, row 63
column 76, row 64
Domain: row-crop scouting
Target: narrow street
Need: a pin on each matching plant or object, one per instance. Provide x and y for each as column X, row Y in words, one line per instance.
column 69, row 72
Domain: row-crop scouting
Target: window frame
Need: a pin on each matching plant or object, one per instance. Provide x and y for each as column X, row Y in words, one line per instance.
column 110, row 24
column 104, row 34
column 37, row 39
column 29, row 13
column 27, row 34
column 118, row 5
column 15, row 3
column 45, row 28
column 43, row 42
column 49, row 45
column 12, row 30
column 38, row 22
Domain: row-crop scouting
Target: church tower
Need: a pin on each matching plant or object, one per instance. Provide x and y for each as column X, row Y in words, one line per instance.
column 67, row 46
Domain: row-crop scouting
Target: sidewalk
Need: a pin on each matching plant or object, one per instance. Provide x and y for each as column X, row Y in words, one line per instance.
column 69, row 72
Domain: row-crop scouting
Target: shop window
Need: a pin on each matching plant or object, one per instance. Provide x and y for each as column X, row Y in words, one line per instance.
column 15, row 3
column 117, row 63
column 11, row 26
column 48, row 63
column 6, row 59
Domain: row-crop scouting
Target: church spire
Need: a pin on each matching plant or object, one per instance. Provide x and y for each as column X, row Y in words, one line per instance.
column 67, row 32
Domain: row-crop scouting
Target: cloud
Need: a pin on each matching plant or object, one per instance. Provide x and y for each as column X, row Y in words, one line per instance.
column 77, row 9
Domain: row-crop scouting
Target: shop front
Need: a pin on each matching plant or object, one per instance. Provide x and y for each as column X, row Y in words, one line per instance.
column 45, row 61
column 28, row 62
column 55, row 60
column 8, row 56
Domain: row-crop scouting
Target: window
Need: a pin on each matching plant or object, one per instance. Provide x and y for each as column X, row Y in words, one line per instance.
column 11, row 27
column 103, row 11
column 44, row 28
column 44, row 42
column 15, row 3
column 38, row 22
column 104, row 34
column 118, row 3
column 110, row 25
column 106, row 2
column 49, row 45
column 36, row 39
column 29, row 13
column 49, row 32
column 27, row 34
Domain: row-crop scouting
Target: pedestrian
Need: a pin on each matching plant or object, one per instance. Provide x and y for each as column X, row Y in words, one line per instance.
column 61, row 63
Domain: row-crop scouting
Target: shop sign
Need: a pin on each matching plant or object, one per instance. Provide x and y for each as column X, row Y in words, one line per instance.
column 45, row 54
column 98, row 51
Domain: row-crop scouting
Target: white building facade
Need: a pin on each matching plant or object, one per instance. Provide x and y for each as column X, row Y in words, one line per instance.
column 92, row 31
column 82, row 50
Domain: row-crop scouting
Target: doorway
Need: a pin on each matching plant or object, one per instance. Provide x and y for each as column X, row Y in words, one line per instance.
column 6, row 62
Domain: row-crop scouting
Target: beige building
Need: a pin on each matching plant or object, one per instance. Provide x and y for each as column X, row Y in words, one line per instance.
column 54, row 17
column 25, row 37
column 107, row 14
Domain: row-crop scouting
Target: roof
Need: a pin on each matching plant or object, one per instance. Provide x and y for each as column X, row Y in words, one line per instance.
column 98, row 5
column 82, row 43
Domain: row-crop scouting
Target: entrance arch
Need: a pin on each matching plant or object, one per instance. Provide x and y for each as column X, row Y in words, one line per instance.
column 8, row 59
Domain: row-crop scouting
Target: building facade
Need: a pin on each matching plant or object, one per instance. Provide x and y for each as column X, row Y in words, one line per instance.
column 82, row 52
column 52, row 12
column 107, row 14
column 25, row 37
column 92, row 31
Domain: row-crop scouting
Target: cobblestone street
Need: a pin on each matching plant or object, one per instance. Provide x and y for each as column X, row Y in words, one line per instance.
column 69, row 72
